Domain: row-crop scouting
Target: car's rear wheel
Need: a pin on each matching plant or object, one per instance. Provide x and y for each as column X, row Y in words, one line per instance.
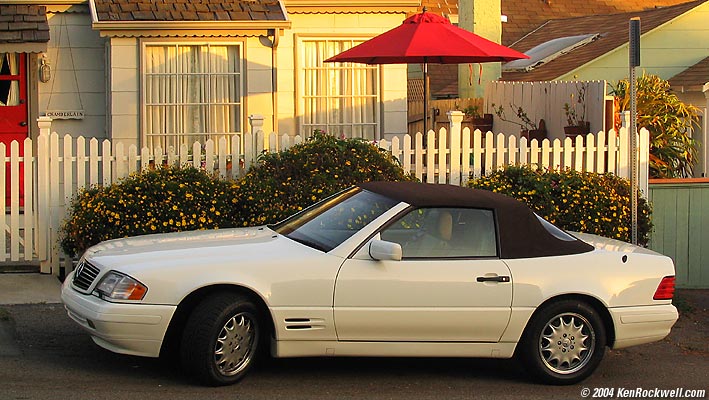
column 564, row 342
column 221, row 339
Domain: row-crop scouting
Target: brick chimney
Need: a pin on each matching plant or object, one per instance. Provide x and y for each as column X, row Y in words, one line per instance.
column 482, row 17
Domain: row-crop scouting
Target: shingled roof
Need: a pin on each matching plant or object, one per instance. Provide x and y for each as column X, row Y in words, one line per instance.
column 692, row 78
column 21, row 23
column 441, row 7
column 188, row 10
column 525, row 15
column 613, row 30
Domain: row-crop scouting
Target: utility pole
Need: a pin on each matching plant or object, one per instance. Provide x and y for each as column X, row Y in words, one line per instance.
column 634, row 61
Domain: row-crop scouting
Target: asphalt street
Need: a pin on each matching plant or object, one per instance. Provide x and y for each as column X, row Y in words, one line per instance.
column 54, row 359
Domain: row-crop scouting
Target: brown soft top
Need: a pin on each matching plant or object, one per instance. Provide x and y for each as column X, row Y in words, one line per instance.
column 521, row 234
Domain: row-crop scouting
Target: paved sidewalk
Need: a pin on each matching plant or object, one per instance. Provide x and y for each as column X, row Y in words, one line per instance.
column 17, row 288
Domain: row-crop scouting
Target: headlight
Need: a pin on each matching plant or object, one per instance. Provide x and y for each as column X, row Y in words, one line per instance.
column 121, row 287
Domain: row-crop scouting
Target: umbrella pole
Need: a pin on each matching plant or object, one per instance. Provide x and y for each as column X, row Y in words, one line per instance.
column 425, row 100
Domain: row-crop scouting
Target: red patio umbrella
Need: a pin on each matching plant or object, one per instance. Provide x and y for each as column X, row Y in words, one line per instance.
column 427, row 38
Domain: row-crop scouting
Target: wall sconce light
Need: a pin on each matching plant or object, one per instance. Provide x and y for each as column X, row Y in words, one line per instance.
column 45, row 71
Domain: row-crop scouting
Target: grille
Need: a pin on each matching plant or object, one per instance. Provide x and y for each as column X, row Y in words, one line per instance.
column 84, row 275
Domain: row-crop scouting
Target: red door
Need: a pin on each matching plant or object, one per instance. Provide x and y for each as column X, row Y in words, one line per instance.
column 13, row 108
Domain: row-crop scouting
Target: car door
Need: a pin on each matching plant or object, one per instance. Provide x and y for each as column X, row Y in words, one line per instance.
column 450, row 284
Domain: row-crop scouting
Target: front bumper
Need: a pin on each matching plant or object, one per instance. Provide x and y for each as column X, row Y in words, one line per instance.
column 136, row 329
column 638, row 325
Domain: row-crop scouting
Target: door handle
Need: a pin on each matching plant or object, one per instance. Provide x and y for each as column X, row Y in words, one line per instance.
column 493, row 279
column 23, row 123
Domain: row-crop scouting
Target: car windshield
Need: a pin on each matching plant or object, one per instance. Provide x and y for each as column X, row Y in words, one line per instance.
column 325, row 225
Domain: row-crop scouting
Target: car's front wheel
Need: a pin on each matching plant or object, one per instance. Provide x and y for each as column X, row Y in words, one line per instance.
column 221, row 339
column 564, row 342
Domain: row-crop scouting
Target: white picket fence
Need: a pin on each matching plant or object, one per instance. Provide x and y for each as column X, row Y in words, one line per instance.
column 55, row 168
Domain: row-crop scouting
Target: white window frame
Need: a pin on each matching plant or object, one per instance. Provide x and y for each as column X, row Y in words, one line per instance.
column 306, row 129
column 240, row 74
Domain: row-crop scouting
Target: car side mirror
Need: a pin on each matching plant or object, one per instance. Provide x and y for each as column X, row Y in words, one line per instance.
column 381, row 250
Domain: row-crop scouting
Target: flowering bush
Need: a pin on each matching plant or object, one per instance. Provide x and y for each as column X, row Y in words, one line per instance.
column 671, row 122
column 286, row 182
column 167, row 199
column 575, row 201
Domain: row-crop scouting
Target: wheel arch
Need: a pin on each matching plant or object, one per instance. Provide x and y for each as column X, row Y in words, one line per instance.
column 595, row 303
column 184, row 309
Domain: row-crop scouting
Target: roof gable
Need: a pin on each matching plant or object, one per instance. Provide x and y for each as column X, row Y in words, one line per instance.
column 524, row 15
column 613, row 30
column 693, row 78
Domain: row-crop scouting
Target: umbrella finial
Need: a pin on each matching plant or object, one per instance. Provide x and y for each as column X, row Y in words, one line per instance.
column 424, row 9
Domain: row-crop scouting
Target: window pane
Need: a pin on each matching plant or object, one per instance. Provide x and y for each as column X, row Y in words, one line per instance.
column 10, row 85
column 444, row 232
column 192, row 93
column 342, row 96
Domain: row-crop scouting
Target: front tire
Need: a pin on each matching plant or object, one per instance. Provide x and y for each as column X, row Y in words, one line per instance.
column 221, row 339
column 564, row 343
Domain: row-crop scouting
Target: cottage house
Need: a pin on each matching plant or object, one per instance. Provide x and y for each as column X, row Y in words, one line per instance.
column 172, row 72
column 596, row 47
column 588, row 40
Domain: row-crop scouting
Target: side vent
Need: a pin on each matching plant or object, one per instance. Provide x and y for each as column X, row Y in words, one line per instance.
column 303, row 324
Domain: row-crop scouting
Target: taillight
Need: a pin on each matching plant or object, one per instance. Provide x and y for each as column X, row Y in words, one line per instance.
column 666, row 289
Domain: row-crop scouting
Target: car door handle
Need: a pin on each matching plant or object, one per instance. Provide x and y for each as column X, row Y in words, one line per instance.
column 493, row 278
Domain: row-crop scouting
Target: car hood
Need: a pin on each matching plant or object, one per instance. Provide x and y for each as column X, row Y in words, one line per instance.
column 175, row 264
column 180, row 241
column 603, row 243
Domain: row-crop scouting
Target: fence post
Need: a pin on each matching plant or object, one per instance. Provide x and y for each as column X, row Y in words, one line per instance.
column 45, row 125
column 625, row 119
column 44, row 214
column 456, row 122
column 644, row 162
column 256, row 123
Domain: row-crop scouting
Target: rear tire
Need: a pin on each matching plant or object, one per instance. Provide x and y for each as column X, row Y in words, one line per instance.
column 221, row 339
column 563, row 343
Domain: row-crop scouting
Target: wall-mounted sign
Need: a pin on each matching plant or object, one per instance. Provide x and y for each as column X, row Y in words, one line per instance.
column 66, row 114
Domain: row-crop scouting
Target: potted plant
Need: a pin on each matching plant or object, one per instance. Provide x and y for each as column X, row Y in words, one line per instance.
column 575, row 112
column 476, row 120
column 528, row 128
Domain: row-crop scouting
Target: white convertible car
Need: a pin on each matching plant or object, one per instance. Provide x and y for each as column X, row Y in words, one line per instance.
column 382, row 269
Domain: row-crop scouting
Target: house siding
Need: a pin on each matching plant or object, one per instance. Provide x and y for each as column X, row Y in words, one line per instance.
column 394, row 76
column 666, row 51
column 124, row 82
column 76, row 56
column 102, row 75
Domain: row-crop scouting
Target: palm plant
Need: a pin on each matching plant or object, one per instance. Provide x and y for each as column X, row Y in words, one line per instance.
column 671, row 122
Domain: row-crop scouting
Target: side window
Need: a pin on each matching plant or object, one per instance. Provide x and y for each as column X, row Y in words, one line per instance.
column 444, row 232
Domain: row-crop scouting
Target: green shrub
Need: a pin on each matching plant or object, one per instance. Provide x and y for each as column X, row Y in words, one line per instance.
column 671, row 122
column 575, row 201
column 285, row 182
column 167, row 199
